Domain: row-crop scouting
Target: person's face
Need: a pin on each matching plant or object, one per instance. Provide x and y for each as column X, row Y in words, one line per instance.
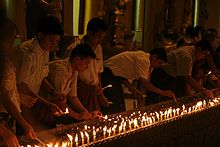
column 96, row 38
column 155, row 61
column 81, row 64
column 49, row 42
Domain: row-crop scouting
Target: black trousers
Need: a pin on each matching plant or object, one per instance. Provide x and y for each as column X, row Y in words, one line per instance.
column 114, row 93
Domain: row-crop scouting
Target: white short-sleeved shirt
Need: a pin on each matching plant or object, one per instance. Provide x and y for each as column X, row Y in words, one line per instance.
column 8, row 83
column 130, row 65
column 62, row 77
column 180, row 61
column 90, row 75
column 31, row 63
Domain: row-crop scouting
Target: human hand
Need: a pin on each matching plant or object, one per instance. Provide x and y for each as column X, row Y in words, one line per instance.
column 55, row 109
column 137, row 94
column 59, row 96
column 85, row 116
column 29, row 131
column 96, row 114
column 27, row 101
column 10, row 139
column 208, row 93
column 169, row 93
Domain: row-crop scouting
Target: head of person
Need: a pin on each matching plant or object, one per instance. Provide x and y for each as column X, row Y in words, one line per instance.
column 198, row 32
column 96, row 31
column 49, row 32
column 203, row 49
column 7, row 36
column 201, row 70
column 81, row 57
column 158, row 56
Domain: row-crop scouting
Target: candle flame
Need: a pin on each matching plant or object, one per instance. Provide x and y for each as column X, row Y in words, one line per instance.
column 76, row 138
column 70, row 137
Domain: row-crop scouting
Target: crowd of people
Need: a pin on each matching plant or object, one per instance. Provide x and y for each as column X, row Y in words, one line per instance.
column 29, row 81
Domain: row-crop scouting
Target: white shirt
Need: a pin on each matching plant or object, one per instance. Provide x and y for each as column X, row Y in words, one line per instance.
column 180, row 61
column 90, row 75
column 8, row 83
column 62, row 77
column 130, row 65
column 31, row 63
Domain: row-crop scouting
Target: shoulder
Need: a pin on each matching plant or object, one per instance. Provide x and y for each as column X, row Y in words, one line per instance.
column 25, row 48
column 58, row 65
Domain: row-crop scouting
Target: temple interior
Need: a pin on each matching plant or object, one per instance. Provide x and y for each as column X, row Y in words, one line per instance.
column 140, row 112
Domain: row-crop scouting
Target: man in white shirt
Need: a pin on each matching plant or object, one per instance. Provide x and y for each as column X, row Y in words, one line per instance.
column 31, row 61
column 90, row 89
column 176, row 74
column 10, row 110
column 134, row 65
column 63, row 77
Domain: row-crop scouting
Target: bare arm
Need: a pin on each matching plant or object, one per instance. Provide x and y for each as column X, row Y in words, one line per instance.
column 9, row 138
column 198, row 87
column 150, row 87
column 134, row 90
column 12, row 109
column 77, row 104
column 24, row 89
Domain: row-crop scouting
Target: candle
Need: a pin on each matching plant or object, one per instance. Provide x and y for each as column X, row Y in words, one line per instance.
column 104, row 132
column 129, row 124
column 174, row 112
column 87, row 136
column 71, row 139
column 85, row 127
column 82, row 137
column 109, row 132
column 135, row 123
column 94, row 135
column 76, row 140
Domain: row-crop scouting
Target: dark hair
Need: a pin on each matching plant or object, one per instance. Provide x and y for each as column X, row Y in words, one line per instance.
column 49, row 25
column 198, row 29
column 83, row 50
column 160, row 52
column 190, row 31
column 204, row 44
column 7, row 28
column 96, row 24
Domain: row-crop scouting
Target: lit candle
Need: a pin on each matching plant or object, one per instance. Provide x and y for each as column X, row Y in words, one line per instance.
column 114, row 128
column 174, row 112
column 104, row 132
column 71, row 139
column 87, row 136
column 56, row 145
column 119, row 129
column 190, row 109
column 85, row 127
column 161, row 115
column 129, row 124
column 135, row 123
column 82, row 137
column 64, row 144
column 178, row 111
column 94, row 135
column 109, row 132
column 158, row 116
column 76, row 140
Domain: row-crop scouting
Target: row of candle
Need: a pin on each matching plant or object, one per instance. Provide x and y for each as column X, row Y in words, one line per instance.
column 120, row 125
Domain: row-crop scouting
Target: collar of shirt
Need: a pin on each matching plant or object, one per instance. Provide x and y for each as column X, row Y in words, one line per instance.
column 36, row 47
